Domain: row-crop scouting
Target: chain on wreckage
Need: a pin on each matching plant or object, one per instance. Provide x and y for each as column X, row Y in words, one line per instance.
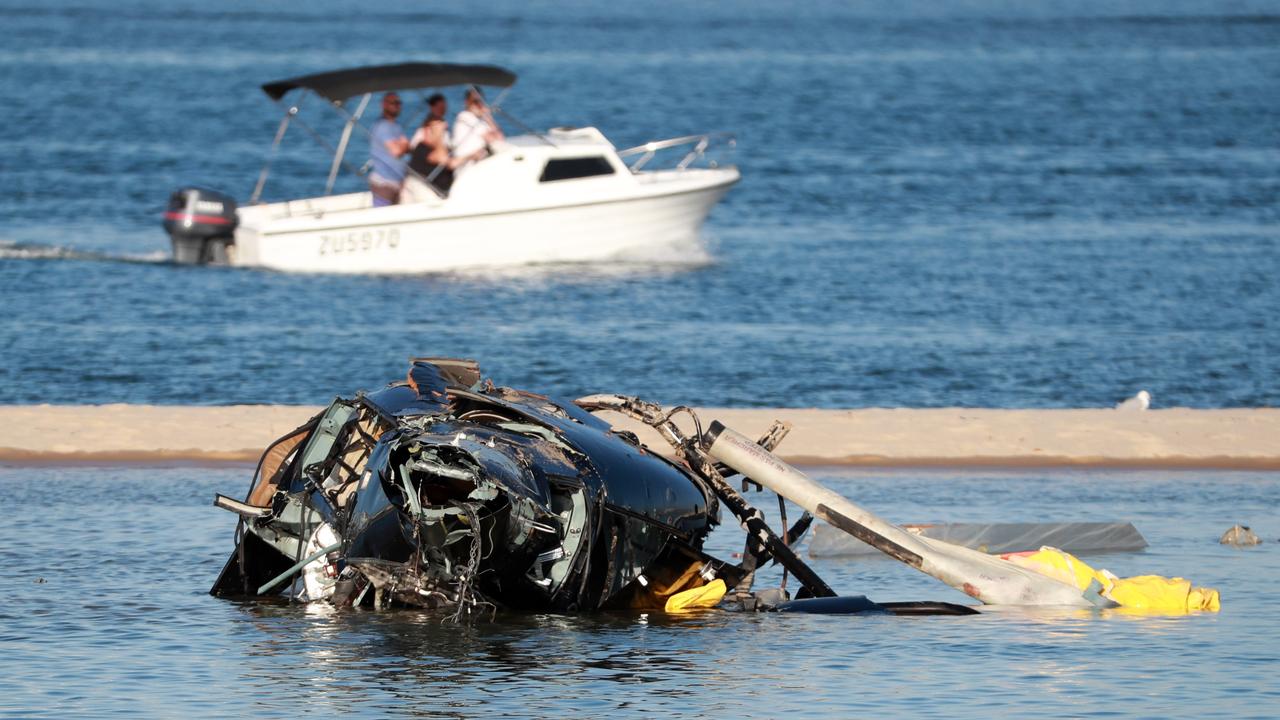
column 445, row 492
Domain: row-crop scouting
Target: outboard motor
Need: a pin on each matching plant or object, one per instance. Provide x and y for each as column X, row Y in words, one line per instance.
column 201, row 223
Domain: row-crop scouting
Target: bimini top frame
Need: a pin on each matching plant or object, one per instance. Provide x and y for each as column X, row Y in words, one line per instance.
column 337, row 86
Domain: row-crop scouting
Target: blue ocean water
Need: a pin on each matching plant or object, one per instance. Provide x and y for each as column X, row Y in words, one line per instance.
column 980, row 203
column 966, row 204
column 105, row 613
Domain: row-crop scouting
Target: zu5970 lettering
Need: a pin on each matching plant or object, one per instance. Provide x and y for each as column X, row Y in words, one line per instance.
column 359, row 241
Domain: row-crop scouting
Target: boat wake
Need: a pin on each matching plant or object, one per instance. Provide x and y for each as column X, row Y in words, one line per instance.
column 10, row 250
column 677, row 254
column 653, row 260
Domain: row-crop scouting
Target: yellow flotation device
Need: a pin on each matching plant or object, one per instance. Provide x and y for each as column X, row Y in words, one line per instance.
column 1162, row 594
column 1151, row 593
column 703, row 596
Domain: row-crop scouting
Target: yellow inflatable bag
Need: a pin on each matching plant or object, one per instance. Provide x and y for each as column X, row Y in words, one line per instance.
column 1151, row 593
column 705, row 596
column 1059, row 565
column 1162, row 594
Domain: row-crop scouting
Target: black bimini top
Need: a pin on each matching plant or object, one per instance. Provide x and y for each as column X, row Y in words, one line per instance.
column 338, row 85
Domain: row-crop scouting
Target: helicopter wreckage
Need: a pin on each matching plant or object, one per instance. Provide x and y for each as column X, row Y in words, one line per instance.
column 448, row 493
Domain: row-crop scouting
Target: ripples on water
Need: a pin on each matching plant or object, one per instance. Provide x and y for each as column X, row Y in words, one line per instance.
column 985, row 205
column 991, row 204
column 121, row 623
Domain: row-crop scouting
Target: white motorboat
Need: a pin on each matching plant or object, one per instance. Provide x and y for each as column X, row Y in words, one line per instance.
column 566, row 195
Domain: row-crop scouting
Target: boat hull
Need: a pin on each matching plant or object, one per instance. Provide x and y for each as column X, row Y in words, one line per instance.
column 429, row 237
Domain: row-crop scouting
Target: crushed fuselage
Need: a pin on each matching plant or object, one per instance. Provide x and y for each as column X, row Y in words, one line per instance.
column 448, row 493
column 443, row 493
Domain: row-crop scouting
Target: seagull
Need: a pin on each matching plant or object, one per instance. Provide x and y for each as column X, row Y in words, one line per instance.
column 1141, row 401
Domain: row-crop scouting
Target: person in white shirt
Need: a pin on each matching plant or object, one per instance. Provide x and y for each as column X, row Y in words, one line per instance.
column 474, row 130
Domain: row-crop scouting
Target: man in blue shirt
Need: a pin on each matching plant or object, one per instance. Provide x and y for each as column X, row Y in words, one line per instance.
column 386, row 144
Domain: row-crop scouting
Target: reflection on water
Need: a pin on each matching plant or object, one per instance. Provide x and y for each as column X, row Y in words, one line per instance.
column 106, row 613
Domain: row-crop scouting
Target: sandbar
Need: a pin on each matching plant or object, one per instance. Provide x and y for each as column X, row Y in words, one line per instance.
column 883, row 437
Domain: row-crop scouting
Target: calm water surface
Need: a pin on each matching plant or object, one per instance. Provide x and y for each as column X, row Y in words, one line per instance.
column 105, row 613
column 982, row 203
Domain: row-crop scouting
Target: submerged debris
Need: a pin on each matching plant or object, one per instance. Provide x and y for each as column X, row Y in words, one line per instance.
column 1240, row 536
column 1074, row 537
column 994, row 580
column 448, row 493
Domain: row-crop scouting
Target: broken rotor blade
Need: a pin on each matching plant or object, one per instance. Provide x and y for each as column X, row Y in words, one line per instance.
column 984, row 577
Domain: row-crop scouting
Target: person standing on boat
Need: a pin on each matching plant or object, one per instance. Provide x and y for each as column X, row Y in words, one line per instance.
column 474, row 129
column 386, row 144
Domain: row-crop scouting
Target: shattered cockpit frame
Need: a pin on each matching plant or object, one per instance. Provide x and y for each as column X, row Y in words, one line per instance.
column 445, row 492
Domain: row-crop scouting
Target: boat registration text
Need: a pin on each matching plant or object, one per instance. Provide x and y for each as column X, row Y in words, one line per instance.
column 359, row 241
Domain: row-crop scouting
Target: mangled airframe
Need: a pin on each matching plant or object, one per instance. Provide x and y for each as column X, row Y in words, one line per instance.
column 445, row 492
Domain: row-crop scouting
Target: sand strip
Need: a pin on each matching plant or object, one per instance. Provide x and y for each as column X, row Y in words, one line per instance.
column 1179, row 437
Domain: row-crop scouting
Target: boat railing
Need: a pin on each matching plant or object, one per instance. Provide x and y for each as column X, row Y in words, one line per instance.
column 700, row 147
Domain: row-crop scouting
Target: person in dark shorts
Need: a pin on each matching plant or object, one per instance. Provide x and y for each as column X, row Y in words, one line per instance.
column 430, row 160
column 429, row 154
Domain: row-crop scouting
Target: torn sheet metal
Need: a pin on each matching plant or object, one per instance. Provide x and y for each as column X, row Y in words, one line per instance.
column 439, row 495
column 1081, row 538
column 448, row 493
column 981, row 576
column 994, row 580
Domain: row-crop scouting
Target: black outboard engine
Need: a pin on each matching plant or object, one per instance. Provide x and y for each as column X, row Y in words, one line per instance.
column 202, row 223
